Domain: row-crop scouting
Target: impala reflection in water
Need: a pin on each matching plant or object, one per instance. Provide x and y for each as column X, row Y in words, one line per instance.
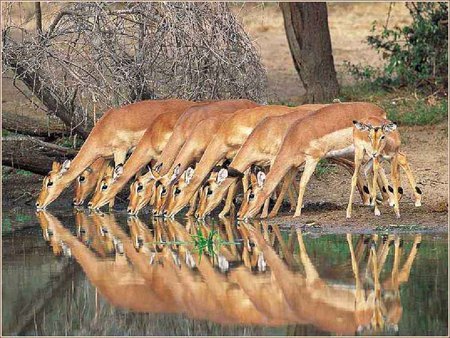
column 245, row 278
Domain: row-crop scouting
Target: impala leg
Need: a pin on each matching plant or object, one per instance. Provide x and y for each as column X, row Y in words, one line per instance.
column 403, row 275
column 384, row 186
column 265, row 209
column 403, row 162
column 396, row 183
column 229, row 200
column 311, row 273
column 286, row 182
column 359, row 292
column 359, row 154
column 376, row 165
column 310, row 166
column 193, row 204
column 292, row 196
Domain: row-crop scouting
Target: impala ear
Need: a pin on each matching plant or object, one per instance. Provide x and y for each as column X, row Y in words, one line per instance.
column 176, row 170
column 158, row 167
column 188, row 174
column 222, row 175
column 56, row 166
column 118, row 171
column 261, row 178
column 387, row 128
column 361, row 126
column 148, row 175
column 65, row 166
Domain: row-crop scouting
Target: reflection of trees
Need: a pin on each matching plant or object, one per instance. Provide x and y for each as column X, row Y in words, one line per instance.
column 263, row 285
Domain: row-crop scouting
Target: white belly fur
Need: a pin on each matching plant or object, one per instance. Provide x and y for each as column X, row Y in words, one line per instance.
column 338, row 143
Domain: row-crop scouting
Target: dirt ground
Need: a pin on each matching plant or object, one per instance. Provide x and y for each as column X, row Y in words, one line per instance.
column 327, row 195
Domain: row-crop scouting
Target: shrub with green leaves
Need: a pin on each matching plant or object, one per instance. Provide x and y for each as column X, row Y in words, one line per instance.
column 416, row 55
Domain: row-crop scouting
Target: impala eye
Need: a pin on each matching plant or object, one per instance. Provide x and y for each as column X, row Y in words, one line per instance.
column 209, row 192
column 139, row 187
column 49, row 184
column 382, row 137
column 251, row 196
column 163, row 191
column 81, row 178
column 177, row 191
column 104, row 186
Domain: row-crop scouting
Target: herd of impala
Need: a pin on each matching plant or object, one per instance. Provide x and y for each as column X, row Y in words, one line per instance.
column 201, row 153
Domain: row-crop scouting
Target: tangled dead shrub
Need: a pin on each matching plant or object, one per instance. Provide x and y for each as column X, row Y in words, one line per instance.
column 115, row 54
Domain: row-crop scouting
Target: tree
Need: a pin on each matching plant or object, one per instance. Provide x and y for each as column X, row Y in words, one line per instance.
column 307, row 31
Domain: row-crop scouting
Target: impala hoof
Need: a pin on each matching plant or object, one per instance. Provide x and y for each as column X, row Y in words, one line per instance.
column 377, row 212
column 418, row 203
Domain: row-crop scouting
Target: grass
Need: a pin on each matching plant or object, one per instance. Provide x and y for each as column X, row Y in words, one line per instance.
column 402, row 106
column 23, row 172
column 323, row 168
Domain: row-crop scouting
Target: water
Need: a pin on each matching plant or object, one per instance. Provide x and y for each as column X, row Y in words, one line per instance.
column 102, row 274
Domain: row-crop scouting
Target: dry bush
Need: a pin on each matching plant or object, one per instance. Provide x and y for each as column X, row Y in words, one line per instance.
column 113, row 54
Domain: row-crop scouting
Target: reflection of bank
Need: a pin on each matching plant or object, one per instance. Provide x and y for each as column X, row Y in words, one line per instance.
column 146, row 276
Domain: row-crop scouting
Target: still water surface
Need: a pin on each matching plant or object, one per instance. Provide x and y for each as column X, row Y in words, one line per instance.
column 104, row 274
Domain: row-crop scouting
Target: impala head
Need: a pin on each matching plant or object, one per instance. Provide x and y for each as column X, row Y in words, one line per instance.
column 137, row 232
column 257, row 181
column 161, row 190
column 141, row 191
column 48, row 231
column 211, row 193
column 176, row 198
column 376, row 135
column 82, row 226
column 102, row 193
column 84, row 185
column 53, row 184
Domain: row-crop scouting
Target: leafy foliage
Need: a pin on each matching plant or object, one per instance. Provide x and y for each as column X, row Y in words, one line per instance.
column 416, row 54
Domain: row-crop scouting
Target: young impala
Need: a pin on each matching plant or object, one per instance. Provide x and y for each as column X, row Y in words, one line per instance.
column 327, row 133
column 380, row 140
column 115, row 134
column 153, row 143
column 225, row 144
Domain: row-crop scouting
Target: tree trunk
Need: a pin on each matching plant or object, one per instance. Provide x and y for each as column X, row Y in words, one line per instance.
column 33, row 155
column 307, row 31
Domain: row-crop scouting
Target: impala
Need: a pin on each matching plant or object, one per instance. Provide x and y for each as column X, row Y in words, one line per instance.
column 327, row 133
column 115, row 134
column 225, row 144
column 166, row 131
column 380, row 139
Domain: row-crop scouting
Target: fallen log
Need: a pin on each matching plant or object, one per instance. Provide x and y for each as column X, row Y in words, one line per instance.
column 34, row 155
column 34, row 127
